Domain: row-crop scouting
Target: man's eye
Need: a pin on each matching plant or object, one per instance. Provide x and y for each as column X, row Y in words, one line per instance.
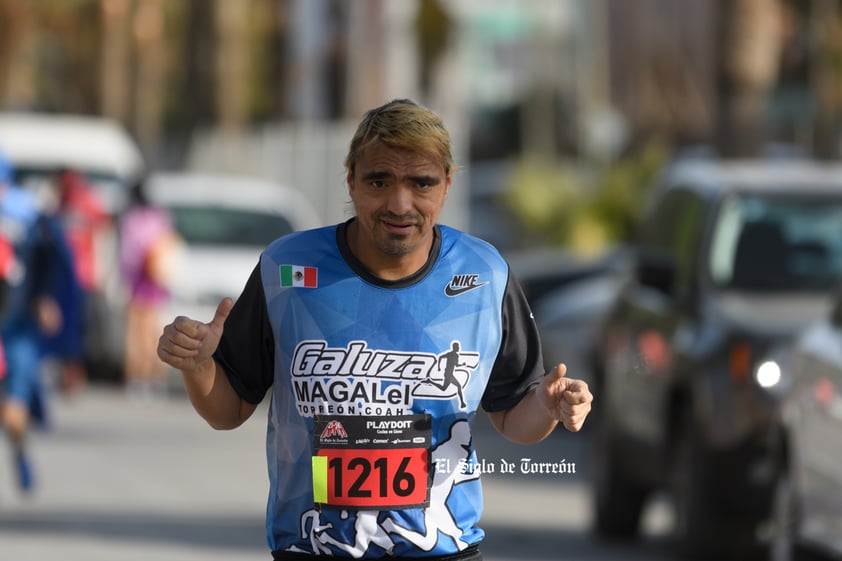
column 378, row 184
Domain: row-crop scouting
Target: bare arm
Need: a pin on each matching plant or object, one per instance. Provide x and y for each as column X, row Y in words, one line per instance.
column 556, row 399
column 188, row 345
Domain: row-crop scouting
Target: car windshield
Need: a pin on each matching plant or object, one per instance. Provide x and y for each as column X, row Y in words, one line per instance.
column 766, row 243
column 227, row 226
column 112, row 193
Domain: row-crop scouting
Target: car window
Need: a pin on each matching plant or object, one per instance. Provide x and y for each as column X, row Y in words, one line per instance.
column 764, row 242
column 674, row 228
column 227, row 226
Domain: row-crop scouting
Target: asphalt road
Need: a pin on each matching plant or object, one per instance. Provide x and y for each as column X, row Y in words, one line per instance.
column 121, row 480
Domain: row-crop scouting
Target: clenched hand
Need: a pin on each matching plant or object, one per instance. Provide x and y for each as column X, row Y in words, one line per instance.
column 565, row 399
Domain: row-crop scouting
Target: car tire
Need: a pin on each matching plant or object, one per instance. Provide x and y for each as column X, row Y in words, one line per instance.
column 618, row 500
column 697, row 534
column 704, row 529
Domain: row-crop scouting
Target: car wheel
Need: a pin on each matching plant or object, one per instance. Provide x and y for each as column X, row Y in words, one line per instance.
column 692, row 516
column 704, row 529
column 697, row 534
column 618, row 501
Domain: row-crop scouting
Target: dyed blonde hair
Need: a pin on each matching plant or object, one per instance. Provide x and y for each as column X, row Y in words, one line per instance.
column 402, row 123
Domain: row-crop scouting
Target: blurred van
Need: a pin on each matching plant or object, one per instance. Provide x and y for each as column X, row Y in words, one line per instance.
column 39, row 145
column 223, row 219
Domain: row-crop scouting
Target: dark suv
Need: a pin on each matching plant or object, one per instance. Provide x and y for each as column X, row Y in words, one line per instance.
column 732, row 259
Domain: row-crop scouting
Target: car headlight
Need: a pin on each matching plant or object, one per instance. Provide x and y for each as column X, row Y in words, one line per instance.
column 768, row 374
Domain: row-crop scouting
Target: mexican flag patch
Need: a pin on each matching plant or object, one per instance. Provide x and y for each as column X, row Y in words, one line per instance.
column 298, row 275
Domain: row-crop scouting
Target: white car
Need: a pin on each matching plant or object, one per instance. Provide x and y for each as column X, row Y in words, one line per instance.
column 807, row 514
column 224, row 221
column 38, row 144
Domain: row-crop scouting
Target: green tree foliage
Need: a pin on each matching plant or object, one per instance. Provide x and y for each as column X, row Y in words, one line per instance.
column 558, row 204
column 545, row 197
column 621, row 189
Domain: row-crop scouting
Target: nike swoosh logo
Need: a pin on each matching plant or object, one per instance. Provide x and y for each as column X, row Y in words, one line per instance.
column 456, row 291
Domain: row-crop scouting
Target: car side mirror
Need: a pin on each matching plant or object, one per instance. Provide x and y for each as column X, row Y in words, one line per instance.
column 655, row 269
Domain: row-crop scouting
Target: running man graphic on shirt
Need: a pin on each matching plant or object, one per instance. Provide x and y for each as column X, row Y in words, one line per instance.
column 311, row 526
column 456, row 449
column 455, row 375
column 366, row 533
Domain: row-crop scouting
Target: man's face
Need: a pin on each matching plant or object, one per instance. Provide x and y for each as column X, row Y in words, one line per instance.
column 397, row 195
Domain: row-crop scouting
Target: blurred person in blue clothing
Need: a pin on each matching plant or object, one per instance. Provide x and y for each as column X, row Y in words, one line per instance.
column 75, row 219
column 38, row 302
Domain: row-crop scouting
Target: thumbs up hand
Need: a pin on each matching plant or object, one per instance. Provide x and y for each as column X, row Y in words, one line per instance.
column 187, row 344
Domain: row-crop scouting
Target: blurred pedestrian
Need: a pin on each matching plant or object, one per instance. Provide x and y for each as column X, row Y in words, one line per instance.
column 379, row 339
column 148, row 247
column 86, row 224
column 85, row 221
column 31, row 312
column 75, row 205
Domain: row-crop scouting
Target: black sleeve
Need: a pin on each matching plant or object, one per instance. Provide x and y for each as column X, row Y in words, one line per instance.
column 247, row 349
column 519, row 365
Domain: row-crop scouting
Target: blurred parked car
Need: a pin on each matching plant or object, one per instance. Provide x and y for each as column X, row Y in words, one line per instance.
column 224, row 221
column 732, row 259
column 39, row 145
column 808, row 503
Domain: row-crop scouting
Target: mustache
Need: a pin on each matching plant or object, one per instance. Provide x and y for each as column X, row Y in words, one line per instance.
column 408, row 217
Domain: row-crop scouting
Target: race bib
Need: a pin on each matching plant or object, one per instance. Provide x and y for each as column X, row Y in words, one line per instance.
column 372, row 463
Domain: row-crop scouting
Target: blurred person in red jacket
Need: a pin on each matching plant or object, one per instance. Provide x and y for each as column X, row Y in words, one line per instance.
column 84, row 219
column 85, row 222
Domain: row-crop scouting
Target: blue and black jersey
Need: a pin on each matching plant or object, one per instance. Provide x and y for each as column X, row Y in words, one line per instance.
column 374, row 386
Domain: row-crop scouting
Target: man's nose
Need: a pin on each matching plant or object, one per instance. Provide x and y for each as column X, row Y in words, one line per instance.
column 400, row 200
